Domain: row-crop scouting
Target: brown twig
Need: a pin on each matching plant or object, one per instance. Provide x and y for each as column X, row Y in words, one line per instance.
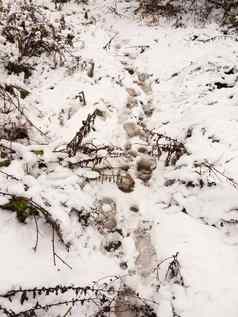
column 53, row 245
column 37, row 234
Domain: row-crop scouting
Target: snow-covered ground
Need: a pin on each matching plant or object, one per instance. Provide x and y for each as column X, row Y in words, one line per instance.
column 179, row 82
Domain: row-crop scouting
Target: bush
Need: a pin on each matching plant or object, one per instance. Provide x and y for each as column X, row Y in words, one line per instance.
column 202, row 10
column 26, row 30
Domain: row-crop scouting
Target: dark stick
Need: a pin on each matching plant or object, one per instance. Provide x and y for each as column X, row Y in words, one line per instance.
column 37, row 234
column 108, row 44
column 53, row 245
column 55, row 255
column 63, row 261
column 10, row 176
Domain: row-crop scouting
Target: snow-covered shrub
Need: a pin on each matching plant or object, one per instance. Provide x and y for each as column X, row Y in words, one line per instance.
column 27, row 33
column 224, row 12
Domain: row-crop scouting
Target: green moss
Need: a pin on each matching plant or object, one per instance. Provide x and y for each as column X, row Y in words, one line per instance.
column 22, row 207
column 38, row 152
column 5, row 163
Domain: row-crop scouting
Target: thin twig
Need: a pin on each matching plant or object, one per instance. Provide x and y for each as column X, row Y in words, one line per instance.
column 10, row 176
column 53, row 245
column 55, row 255
column 108, row 44
column 212, row 169
column 63, row 261
column 37, row 234
column 67, row 312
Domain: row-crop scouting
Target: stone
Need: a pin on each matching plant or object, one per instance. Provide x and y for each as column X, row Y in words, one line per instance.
column 131, row 92
column 124, row 265
column 128, row 303
column 142, row 150
column 107, row 217
column 110, row 223
column 132, row 129
column 126, row 183
column 131, row 102
column 134, row 208
column 145, row 167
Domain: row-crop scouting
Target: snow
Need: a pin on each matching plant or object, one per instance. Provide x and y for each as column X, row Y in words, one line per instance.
column 177, row 77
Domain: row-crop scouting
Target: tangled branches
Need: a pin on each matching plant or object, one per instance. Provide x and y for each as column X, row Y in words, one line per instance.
column 212, row 170
column 107, row 295
column 173, row 272
column 90, row 162
column 97, row 154
column 88, row 125
column 9, row 99
column 117, row 178
column 32, row 35
column 163, row 144
column 11, row 127
column 10, row 95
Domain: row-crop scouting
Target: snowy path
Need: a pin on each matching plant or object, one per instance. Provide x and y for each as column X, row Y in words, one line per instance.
column 183, row 88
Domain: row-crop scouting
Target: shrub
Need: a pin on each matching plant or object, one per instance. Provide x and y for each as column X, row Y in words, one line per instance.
column 26, row 29
column 201, row 9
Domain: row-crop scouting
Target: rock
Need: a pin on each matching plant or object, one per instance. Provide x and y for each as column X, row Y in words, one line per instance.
column 131, row 102
column 126, row 183
column 107, row 216
column 145, row 167
column 128, row 146
column 142, row 76
column 169, row 182
column 133, row 153
column 110, row 223
column 142, row 150
column 112, row 246
column 125, row 302
column 125, row 167
column 112, row 243
column 134, row 208
column 148, row 108
column 130, row 70
column 128, row 303
column 108, row 205
column 144, row 82
column 131, row 92
column 124, row 265
column 132, row 129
